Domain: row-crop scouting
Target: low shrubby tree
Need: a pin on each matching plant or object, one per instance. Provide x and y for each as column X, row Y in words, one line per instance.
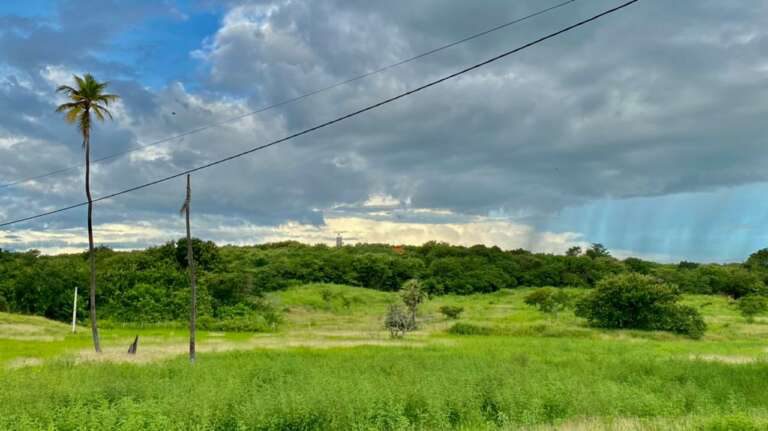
column 740, row 282
column 451, row 311
column 638, row 265
column 549, row 300
column 327, row 296
column 758, row 261
column 573, row 251
column 635, row 301
column 412, row 295
column 206, row 254
column 597, row 250
column 732, row 280
column 397, row 320
column 752, row 305
column 470, row 329
column 401, row 317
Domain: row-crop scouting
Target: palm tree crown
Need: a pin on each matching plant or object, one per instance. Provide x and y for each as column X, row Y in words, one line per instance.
column 89, row 96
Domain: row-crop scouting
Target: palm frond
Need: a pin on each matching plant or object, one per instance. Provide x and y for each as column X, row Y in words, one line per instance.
column 101, row 111
column 85, row 126
column 108, row 98
column 99, row 114
column 66, row 106
column 80, row 81
column 66, row 89
column 74, row 114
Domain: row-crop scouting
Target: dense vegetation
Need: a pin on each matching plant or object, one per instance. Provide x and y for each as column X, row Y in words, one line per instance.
column 506, row 365
column 151, row 286
column 637, row 301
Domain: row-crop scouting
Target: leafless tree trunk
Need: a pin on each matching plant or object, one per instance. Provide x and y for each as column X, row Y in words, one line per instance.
column 191, row 271
column 91, row 252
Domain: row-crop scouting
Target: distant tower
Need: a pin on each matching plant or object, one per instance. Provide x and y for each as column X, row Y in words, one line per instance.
column 339, row 240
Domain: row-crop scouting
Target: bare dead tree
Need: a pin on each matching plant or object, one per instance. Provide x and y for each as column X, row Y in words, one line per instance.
column 191, row 272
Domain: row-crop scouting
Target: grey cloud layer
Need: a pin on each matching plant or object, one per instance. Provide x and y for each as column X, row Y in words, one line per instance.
column 664, row 97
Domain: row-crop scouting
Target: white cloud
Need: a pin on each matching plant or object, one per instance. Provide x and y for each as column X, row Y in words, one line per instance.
column 356, row 229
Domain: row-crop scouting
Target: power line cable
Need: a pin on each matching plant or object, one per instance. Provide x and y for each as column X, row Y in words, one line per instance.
column 335, row 120
column 290, row 100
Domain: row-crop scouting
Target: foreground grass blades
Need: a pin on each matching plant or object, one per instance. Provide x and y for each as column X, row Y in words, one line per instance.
column 479, row 383
column 332, row 366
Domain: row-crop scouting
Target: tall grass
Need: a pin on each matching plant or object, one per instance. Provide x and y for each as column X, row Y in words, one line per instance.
column 477, row 383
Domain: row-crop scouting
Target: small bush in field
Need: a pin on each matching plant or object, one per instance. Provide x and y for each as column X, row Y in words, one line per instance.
column 397, row 321
column 635, row 301
column 327, row 295
column 752, row 305
column 549, row 300
column 451, row 311
column 469, row 329
column 412, row 294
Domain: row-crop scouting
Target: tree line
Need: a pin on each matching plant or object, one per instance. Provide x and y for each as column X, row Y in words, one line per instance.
column 152, row 286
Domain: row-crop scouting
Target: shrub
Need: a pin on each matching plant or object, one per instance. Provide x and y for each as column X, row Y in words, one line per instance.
column 257, row 315
column 635, row 301
column 469, row 329
column 451, row 311
column 397, row 321
column 752, row 305
column 738, row 422
column 682, row 319
column 252, row 323
column 412, row 295
column 327, row 295
column 549, row 300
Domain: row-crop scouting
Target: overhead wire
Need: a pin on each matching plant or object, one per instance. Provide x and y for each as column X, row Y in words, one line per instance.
column 288, row 101
column 335, row 120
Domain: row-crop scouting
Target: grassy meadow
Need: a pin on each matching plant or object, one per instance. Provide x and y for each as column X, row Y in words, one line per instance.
column 331, row 365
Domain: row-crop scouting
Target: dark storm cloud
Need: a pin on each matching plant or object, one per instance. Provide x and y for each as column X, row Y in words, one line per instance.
column 663, row 97
column 631, row 106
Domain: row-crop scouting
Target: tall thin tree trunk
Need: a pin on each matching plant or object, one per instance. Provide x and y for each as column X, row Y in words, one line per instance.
column 192, row 277
column 91, row 253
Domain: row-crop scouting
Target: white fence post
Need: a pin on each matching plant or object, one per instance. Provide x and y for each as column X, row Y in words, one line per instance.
column 74, row 313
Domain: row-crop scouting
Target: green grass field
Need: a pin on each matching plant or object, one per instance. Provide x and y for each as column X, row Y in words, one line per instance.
column 333, row 366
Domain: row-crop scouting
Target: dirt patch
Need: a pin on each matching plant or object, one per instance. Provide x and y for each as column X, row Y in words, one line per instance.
column 24, row 362
column 27, row 332
column 726, row 359
column 151, row 351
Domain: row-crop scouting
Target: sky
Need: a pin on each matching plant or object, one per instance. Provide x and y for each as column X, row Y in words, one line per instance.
column 644, row 131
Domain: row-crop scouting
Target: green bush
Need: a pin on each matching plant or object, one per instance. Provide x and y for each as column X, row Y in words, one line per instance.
column 635, row 301
column 257, row 315
column 251, row 323
column 469, row 329
column 738, row 422
column 752, row 305
column 397, row 321
column 412, row 293
column 451, row 311
column 549, row 300
column 682, row 319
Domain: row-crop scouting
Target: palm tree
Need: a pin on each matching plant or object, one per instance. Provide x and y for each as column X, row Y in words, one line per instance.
column 88, row 97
